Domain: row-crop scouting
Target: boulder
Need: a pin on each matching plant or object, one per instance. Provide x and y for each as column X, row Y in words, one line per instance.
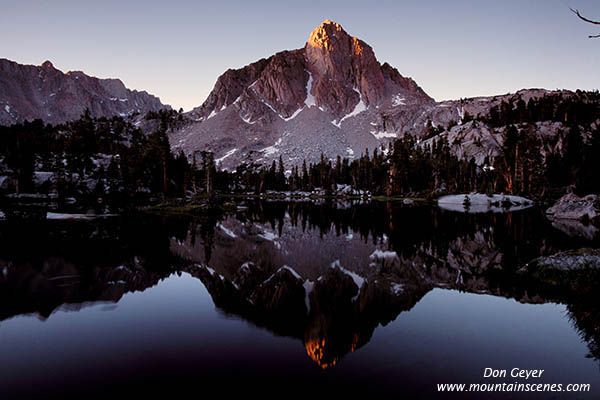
column 571, row 206
column 572, row 260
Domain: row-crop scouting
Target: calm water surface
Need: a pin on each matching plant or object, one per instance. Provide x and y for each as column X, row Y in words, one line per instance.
column 282, row 299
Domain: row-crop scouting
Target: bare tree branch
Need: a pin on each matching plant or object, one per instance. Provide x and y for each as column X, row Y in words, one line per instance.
column 576, row 12
column 584, row 18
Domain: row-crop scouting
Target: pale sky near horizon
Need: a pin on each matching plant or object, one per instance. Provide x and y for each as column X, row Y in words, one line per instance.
column 176, row 50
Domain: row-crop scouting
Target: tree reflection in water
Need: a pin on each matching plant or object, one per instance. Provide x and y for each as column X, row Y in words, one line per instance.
column 327, row 274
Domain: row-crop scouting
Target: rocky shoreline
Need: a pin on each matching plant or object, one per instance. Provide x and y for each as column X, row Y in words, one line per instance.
column 573, row 207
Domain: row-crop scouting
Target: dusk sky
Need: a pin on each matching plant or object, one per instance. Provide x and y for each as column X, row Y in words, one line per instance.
column 177, row 49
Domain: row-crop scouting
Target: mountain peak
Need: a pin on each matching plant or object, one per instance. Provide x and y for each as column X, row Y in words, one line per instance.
column 345, row 71
column 47, row 64
column 328, row 35
column 330, row 95
column 332, row 24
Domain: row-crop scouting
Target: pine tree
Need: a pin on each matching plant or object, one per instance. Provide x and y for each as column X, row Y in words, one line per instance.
column 280, row 175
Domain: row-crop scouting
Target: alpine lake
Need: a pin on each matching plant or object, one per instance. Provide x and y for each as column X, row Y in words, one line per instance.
column 279, row 299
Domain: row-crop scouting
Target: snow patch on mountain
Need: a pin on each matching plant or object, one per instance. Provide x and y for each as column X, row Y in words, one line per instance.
column 270, row 150
column 360, row 107
column 212, row 114
column 247, row 120
column 294, row 115
column 481, row 203
column 229, row 153
column 398, row 100
column 383, row 135
column 310, row 98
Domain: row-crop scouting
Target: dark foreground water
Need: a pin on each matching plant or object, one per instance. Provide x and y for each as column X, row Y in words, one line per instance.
column 288, row 299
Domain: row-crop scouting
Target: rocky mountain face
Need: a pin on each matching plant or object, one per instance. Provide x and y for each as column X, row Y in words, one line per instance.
column 333, row 97
column 328, row 97
column 29, row 92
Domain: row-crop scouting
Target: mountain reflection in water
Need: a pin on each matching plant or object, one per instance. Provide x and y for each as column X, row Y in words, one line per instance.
column 327, row 274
